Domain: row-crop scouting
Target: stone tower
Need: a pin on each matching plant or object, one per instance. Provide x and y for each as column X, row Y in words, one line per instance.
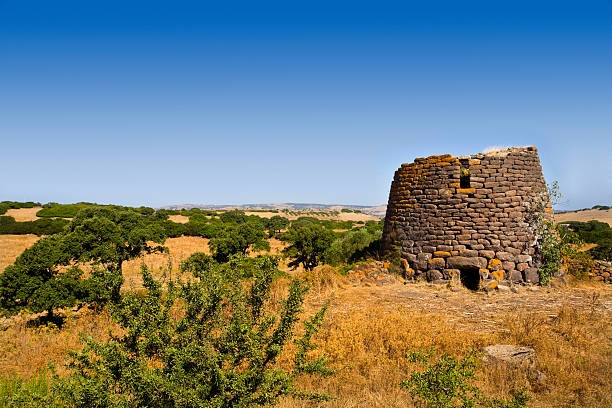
column 467, row 217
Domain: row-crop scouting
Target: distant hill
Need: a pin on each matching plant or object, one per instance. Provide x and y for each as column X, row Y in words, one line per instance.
column 378, row 211
column 598, row 214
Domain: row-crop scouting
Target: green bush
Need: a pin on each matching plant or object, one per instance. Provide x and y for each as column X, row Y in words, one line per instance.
column 446, row 383
column 595, row 232
column 32, row 392
column 8, row 225
column 60, row 210
column 206, row 342
column 353, row 246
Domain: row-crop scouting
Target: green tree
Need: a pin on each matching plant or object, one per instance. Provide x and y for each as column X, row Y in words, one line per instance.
column 32, row 282
column 102, row 236
column 275, row 224
column 308, row 241
column 233, row 216
column 208, row 342
column 238, row 239
column 353, row 246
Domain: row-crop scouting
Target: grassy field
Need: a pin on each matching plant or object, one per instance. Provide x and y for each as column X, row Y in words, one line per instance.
column 369, row 330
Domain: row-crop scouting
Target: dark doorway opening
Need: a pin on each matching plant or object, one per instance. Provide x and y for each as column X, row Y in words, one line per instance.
column 464, row 173
column 470, row 278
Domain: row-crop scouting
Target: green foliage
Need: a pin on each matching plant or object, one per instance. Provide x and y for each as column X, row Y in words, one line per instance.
column 308, row 242
column 238, row 239
column 275, row 224
column 233, row 216
column 8, row 225
column 445, row 383
column 102, row 236
column 549, row 250
column 207, row 343
column 329, row 224
column 201, row 226
column 353, row 246
column 71, row 210
column 595, row 232
column 61, row 210
column 31, row 392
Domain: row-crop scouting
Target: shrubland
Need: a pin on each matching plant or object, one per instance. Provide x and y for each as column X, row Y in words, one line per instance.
column 225, row 331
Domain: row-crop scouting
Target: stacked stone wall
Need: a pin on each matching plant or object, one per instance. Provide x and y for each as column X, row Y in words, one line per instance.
column 448, row 215
column 602, row 272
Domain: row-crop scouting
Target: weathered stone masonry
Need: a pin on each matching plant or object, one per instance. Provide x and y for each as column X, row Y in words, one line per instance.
column 466, row 217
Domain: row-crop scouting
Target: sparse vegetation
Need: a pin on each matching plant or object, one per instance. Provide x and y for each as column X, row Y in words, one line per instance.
column 595, row 232
column 447, row 383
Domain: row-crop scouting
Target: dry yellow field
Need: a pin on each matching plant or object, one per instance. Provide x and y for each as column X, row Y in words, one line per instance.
column 586, row 215
column 322, row 214
column 369, row 330
column 181, row 219
column 23, row 214
column 11, row 246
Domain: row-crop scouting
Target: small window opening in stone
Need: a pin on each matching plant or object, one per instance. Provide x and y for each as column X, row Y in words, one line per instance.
column 464, row 177
column 470, row 278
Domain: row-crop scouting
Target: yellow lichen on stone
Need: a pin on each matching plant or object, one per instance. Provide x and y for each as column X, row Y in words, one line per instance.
column 466, row 190
column 494, row 262
column 441, row 254
column 491, row 285
column 498, row 275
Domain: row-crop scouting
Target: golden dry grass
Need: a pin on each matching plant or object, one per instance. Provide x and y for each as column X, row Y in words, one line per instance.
column 181, row 219
column 11, row 246
column 368, row 331
column 179, row 249
column 321, row 214
column 23, row 214
column 25, row 350
column 586, row 215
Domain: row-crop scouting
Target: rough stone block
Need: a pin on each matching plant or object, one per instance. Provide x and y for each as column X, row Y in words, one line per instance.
column 433, row 275
column 437, row 263
column 516, row 276
column 504, row 256
column 464, row 262
column 531, row 275
column 486, row 253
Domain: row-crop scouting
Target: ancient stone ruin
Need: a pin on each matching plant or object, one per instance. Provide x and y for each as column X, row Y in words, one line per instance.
column 467, row 219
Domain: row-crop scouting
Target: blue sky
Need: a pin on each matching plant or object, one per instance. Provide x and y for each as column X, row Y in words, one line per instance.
column 154, row 103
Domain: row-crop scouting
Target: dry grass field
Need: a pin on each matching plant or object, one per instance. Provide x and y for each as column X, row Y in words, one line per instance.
column 322, row 214
column 23, row 214
column 181, row 219
column 11, row 246
column 586, row 215
column 369, row 330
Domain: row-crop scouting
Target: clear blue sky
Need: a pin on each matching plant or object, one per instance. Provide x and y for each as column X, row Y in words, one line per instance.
column 153, row 103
